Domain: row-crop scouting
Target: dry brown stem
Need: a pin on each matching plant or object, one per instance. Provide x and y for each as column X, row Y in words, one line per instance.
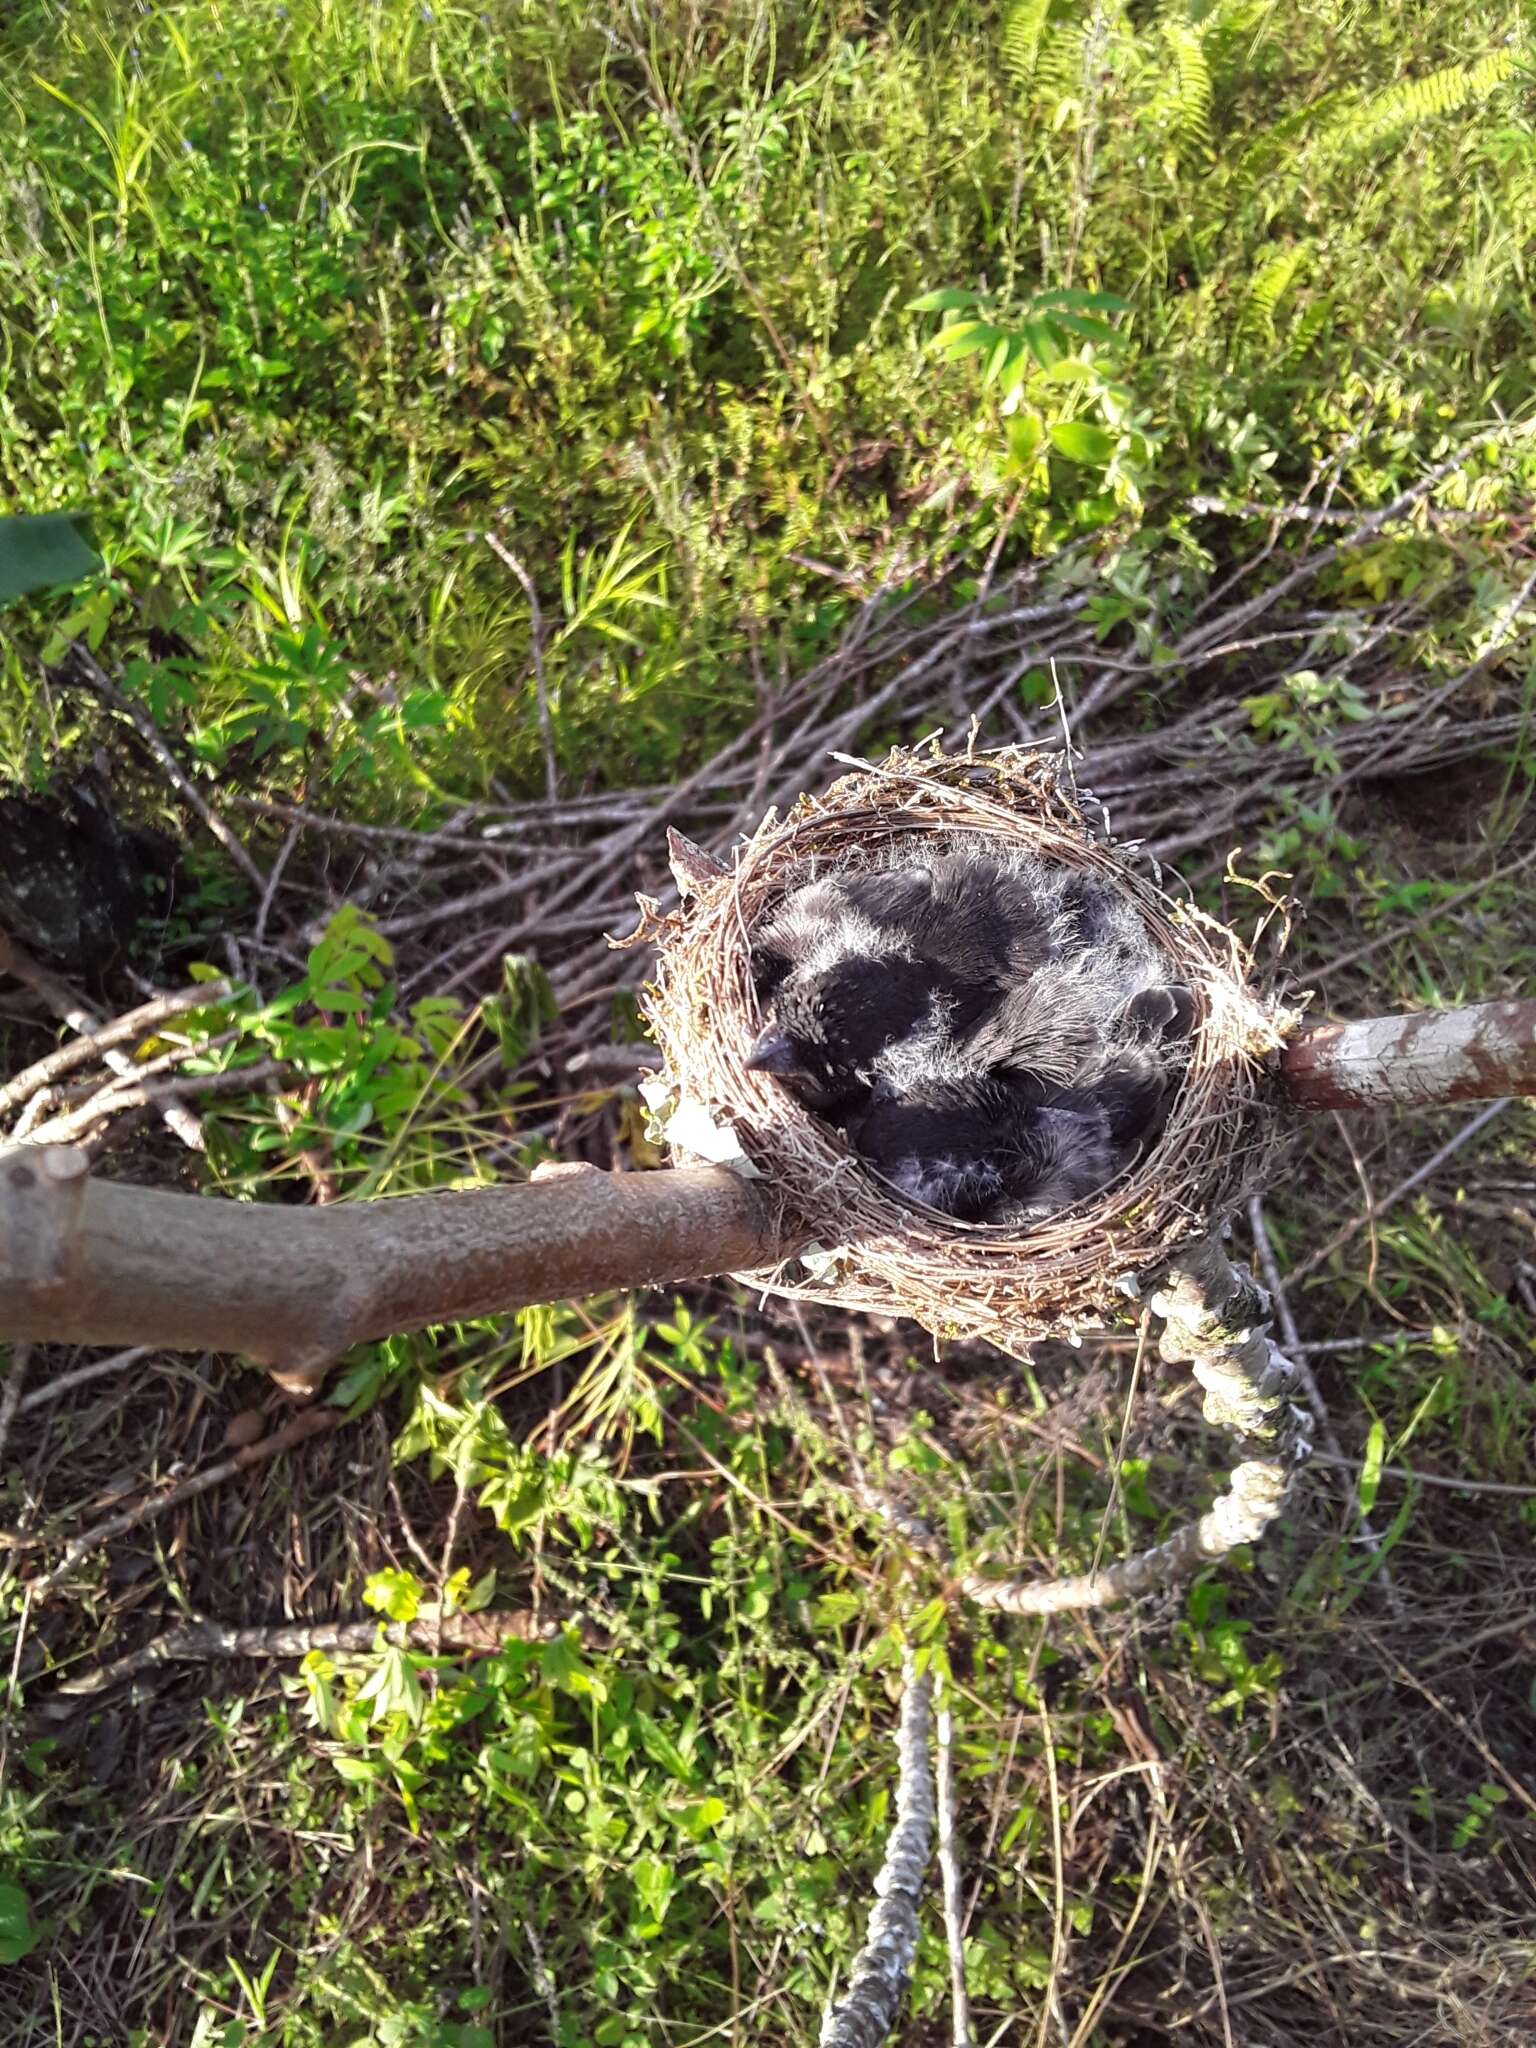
column 201, row 1642
column 312, row 1422
column 71, row 1009
column 81, row 667
column 132, row 1026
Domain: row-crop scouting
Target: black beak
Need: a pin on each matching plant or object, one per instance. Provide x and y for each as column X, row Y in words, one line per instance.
column 774, row 1053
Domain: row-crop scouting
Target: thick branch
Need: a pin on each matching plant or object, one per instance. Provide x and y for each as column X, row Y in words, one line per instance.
column 1414, row 1062
column 87, row 1262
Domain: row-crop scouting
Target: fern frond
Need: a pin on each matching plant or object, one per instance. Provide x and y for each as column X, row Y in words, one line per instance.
column 1268, row 287
column 1059, row 62
column 1311, row 327
column 1189, row 101
column 1422, row 99
column 1023, row 28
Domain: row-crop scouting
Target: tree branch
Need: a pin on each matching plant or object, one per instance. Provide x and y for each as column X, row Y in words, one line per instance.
column 89, row 1262
column 84, row 1261
column 1414, row 1062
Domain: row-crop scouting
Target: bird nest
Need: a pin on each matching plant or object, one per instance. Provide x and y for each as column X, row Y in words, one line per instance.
column 868, row 1247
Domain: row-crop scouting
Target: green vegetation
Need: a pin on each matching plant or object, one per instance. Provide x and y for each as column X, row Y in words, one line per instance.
column 715, row 317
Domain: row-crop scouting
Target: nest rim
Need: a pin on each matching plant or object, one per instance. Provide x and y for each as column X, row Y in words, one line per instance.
column 872, row 1248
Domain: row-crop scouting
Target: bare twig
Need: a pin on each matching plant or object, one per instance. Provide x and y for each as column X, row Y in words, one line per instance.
column 10, row 1394
column 1404, row 1188
column 72, row 1010
column 1296, row 1351
column 80, row 666
column 82, row 1375
column 132, row 1093
column 949, row 1870
column 85, row 1261
column 202, row 1642
column 1412, row 1476
column 312, row 1422
column 268, row 894
column 133, row 1025
column 506, row 557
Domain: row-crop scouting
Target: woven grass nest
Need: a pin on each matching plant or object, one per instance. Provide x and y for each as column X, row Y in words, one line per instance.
column 872, row 1249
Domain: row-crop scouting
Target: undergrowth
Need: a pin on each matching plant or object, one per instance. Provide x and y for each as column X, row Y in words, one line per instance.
column 714, row 318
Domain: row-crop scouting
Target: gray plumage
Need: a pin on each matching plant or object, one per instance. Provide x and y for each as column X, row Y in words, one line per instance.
column 999, row 1034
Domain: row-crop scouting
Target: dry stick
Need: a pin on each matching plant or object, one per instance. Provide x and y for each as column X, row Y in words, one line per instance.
column 78, row 1052
column 1251, row 509
column 1412, row 1476
column 82, row 1375
column 80, row 666
column 312, row 1422
column 812, row 739
column 1215, row 1321
column 34, row 1116
column 506, row 557
column 1296, row 1351
column 10, row 1397
column 866, row 2013
column 62, row 1000
column 161, row 1095
column 949, row 1871
column 1313, row 565
column 201, row 1642
column 101, row 1264
column 1404, row 1188
column 1459, row 1720
column 1409, row 924
column 269, row 893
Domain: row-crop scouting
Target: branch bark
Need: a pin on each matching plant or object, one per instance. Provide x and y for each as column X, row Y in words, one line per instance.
column 87, row 1262
column 1414, row 1062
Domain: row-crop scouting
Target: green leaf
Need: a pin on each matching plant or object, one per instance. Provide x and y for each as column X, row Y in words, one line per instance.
column 1044, row 344
column 1090, row 330
column 41, row 552
column 358, row 1770
column 950, row 299
column 395, row 1593
column 1026, row 432
column 1080, row 442
column 18, row 1937
column 964, row 337
column 702, row 1818
column 654, row 1882
column 1370, row 1468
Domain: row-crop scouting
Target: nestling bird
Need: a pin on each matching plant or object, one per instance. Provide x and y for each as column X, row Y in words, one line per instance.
column 985, row 959
column 997, row 1034
column 1011, row 1148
